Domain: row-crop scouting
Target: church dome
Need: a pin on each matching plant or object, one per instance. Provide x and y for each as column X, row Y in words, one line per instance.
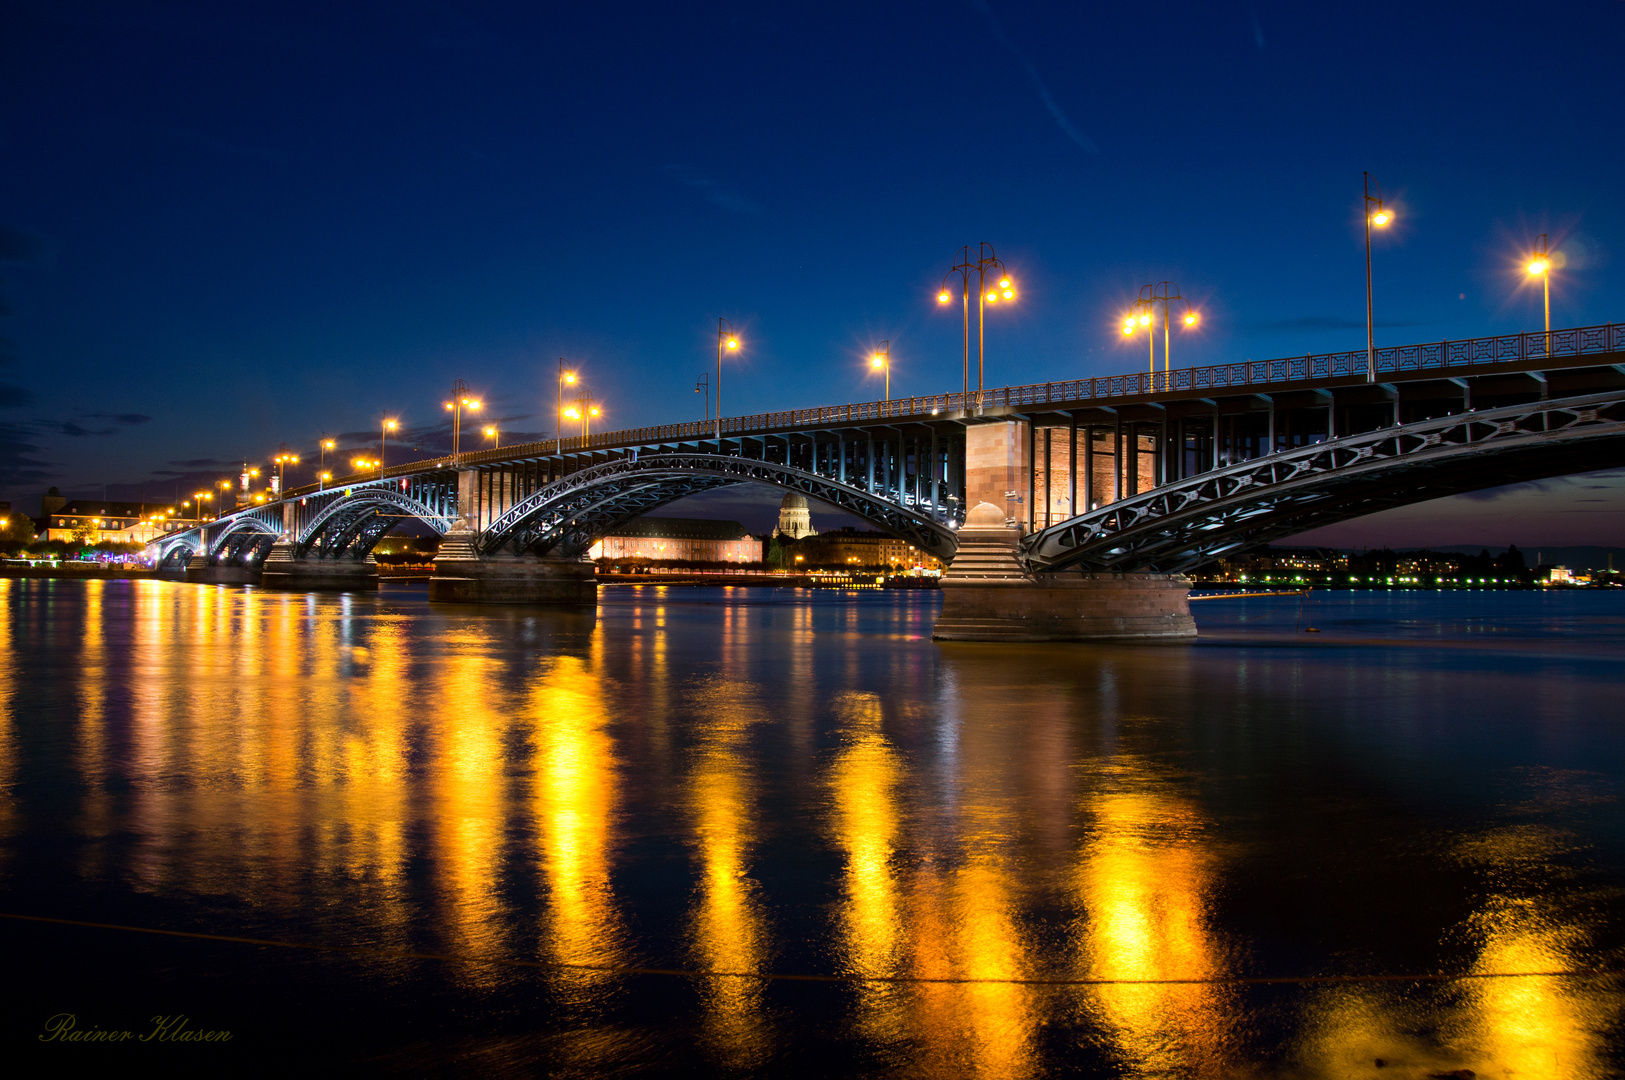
column 792, row 501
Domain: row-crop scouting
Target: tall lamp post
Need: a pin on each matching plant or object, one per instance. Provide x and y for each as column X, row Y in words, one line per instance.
column 283, row 460
column 1540, row 265
column 383, row 438
column 882, row 359
column 460, row 399
column 730, row 341
column 327, row 444
column 566, row 378
column 1380, row 217
column 985, row 264
column 1144, row 312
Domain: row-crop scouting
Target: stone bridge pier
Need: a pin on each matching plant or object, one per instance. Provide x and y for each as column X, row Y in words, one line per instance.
column 284, row 567
column 987, row 595
column 462, row 575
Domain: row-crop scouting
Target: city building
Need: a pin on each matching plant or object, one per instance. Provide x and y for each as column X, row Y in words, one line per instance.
column 795, row 521
column 856, row 548
column 92, row 521
column 661, row 539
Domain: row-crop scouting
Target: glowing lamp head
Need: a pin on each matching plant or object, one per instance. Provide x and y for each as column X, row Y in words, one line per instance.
column 1538, row 266
column 943, row 297
column 877, row 361
column 1004, row 283
column 389, row 425
column 573, row 414
column 733, row 343
column 490, row 431
column 1145, row 320
column 1381, row 217
column 993, row 298
column 569, row 378
column 1190, row 318
column 449, row 406
column 328, row 444
column 1128, row 328
column 593, row 411
column 474, row 405
column 1009, row 294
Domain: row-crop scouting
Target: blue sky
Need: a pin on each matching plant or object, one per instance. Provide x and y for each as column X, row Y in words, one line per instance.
column 225, row 228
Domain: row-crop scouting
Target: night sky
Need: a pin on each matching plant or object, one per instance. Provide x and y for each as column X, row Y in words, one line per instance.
column 229, row 227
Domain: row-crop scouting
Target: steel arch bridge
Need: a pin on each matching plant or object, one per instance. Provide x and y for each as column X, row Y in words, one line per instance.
column 564, row 518
column 1181, row 525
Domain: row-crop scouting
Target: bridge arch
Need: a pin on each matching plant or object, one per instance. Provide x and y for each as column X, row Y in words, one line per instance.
column 350, row 526
column 565, row 517
column 174, row 552
column 1181, row 525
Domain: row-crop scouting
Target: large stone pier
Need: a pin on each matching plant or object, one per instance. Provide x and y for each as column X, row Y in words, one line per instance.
column 463, row 576
column 282, row 570
column 987, row 597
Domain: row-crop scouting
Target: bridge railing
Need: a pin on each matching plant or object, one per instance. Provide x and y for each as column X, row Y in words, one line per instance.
column 1431, row 356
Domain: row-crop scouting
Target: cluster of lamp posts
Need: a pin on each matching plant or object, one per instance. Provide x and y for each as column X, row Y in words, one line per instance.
column 986, row 266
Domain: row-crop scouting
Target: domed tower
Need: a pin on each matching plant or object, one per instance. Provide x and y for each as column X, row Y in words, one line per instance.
column 794, row 520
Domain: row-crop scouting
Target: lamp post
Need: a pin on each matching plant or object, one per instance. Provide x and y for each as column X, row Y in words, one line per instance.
column 565, row 378
column 283, row 459
column 984, row 261
column 1379, row 217
column 460, row 399
column 730, row 341
column 494, row 435
column 327, row 444
column 703, row 386
column 383, row 439
column 1143, row 312
column 882, row 359
column 1540, row 265
column 321, row 480
column 583, row 410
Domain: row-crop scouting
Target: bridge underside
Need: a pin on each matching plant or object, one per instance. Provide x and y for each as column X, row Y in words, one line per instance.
column 1182, row 525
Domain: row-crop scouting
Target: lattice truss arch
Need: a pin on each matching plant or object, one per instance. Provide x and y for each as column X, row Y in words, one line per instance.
column 564, row 518
column 1183, row 524
column 350, row 525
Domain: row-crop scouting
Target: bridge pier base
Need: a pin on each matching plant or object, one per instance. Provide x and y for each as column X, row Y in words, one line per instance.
column 461, row 576
column 199, row 571
column 284, row 571
column 986, row 597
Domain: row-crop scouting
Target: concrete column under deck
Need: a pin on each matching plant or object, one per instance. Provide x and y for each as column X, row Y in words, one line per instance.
column 462, row 576
column 284, row 571
column 987, row 597
column 199, row 571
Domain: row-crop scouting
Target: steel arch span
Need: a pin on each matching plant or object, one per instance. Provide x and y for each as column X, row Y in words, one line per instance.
column 1181, row 525
column 349, row 526
column 565, row 517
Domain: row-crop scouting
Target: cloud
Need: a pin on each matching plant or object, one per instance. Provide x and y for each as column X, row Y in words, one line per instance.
column 1056, row 113
column 202, row 463
column 130, row 418
column 1322, row 322
column 14, row 397
column 17, row 463
column 711, row 190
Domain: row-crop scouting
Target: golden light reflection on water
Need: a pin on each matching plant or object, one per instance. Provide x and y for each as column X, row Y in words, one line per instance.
column 1143, row 884
column 728, row 926
column 574, row 790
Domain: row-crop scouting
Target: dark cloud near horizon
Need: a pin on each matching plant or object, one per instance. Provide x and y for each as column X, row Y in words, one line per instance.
column 18, row 465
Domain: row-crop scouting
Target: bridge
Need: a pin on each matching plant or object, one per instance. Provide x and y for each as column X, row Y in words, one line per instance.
column 1065, row 509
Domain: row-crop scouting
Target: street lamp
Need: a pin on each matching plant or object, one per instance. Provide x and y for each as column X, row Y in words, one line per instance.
column 200, row 496
column 1143, row 312
column 583, row 410
column 1540, row 265
column 327, row 444
column 984, row 261
column 321, row 480
column 362, row 464
column 703, row 386
column 882, row 359
column 283, row 460
column 460, row 399
column 383, row 439
column 1379, row 217
column 492, row 433
column 729, row 341
column 566, row 378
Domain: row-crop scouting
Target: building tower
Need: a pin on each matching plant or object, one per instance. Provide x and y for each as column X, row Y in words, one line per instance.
column 794, row 520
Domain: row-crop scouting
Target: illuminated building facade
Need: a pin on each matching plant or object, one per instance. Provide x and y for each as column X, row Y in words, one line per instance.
column 662, row 539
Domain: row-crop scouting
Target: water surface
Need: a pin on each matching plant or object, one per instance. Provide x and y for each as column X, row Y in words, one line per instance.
column 573, row 844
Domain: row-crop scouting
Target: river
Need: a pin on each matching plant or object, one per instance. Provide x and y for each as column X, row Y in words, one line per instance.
column 783, row 833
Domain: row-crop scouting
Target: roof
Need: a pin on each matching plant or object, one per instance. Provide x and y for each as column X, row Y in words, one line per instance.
column 108, row 508
column 664, row 528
